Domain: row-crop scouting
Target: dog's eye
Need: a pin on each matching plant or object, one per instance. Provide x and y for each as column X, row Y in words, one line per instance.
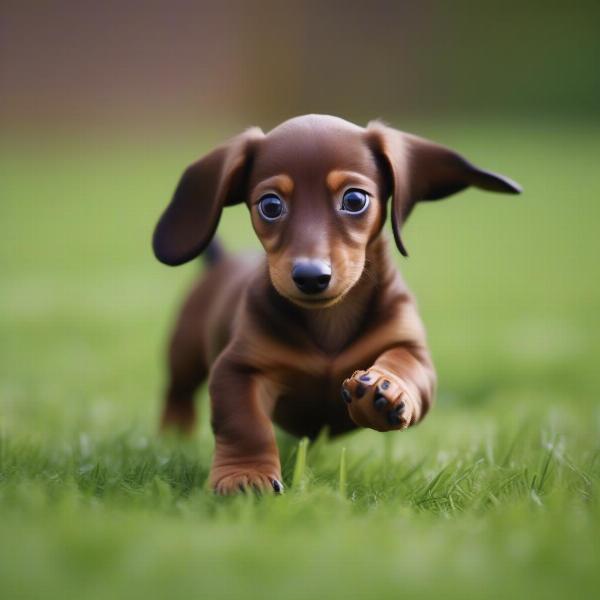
column 270, row 207
column 355, row 201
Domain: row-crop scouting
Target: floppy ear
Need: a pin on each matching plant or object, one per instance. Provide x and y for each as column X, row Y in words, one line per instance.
column 421, row 170
column 218, row 179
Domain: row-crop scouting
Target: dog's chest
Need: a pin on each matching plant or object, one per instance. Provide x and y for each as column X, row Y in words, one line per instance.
column 314, row 402
column 333, row 330
column 309, row 395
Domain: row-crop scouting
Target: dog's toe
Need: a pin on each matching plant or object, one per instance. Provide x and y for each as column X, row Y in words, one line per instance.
column 394, row 415
column 346, row 396
column 234, row 481
column 380, row 402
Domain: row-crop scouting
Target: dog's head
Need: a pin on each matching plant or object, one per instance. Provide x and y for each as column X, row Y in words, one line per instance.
column 317, row 189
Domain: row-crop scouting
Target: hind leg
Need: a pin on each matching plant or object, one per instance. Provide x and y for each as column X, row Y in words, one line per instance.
column 179, row 412
column 187, row 371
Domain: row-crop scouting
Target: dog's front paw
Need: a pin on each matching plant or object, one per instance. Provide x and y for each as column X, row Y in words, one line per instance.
column 228, row 480
column 378, row 399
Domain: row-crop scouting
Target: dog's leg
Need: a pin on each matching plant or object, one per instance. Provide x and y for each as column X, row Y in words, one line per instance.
column 187, row 371
column 179, row 412
column 246, row 455
column 395, row 393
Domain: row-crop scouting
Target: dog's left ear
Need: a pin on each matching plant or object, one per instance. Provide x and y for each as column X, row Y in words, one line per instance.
column 419, row 170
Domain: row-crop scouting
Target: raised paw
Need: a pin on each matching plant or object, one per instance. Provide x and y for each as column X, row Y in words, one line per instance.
column 378, row 400
column 234, row 480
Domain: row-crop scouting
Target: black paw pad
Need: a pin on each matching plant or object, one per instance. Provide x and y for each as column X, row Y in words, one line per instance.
column 385, row 384
column 365, row 377
column 346, row 397
column 380, row 402
column 277, row 486
column 394, row 416
column 360, row 390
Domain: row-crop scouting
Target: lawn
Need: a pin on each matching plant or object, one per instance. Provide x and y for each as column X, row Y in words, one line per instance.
column 494, row 494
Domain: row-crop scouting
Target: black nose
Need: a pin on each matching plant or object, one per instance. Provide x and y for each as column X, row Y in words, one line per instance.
column 311, row 276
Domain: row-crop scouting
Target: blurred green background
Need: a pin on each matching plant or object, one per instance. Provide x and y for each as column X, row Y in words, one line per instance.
column 496, row 493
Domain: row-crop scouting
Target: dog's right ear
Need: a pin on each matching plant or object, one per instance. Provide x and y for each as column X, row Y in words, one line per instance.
column 216, row 180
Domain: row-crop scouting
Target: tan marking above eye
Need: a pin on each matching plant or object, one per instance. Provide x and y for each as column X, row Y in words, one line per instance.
column 282, row 184
column 337, row 180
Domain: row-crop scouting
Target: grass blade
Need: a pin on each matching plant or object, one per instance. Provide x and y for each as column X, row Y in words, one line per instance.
column 300, row 466
column 343, row 473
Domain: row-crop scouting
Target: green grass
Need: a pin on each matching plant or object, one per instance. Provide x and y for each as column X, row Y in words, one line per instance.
column 496, row 493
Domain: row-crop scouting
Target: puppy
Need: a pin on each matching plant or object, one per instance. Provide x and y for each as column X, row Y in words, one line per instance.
column 322, row 331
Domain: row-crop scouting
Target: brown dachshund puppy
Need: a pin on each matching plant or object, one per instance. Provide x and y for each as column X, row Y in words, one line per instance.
column 326, row 310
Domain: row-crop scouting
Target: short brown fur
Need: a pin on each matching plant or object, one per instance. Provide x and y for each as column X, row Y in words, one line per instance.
column 273, row 353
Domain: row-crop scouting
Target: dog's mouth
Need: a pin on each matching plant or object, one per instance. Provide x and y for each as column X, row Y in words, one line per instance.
column 313, row 303
column 326, row 298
